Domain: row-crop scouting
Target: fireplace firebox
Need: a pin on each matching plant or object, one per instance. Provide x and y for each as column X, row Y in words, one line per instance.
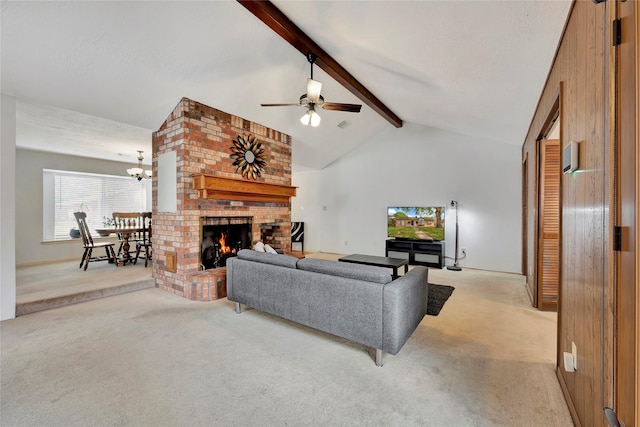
column 222, row 238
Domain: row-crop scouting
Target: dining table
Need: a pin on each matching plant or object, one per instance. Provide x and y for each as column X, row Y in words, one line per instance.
column 126, row 233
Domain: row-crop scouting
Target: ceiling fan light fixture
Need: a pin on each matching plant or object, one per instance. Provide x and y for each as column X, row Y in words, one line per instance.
column 315, row 119
column 310, row 117
column 313, row 90
column 312, row 99
column 306, row 118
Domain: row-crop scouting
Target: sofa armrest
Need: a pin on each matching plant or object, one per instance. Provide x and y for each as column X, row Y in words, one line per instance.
column 230, row 294
column 404, row 304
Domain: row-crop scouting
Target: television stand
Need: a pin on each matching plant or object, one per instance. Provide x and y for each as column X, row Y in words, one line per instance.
column 417, row 252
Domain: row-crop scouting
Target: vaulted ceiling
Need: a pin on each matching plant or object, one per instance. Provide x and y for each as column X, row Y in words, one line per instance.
column 96, row 78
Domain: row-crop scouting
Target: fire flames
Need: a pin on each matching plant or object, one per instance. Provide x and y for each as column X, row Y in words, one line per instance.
column 224, row 249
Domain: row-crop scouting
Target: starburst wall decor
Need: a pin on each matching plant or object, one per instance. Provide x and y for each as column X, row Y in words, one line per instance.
column 248, row 155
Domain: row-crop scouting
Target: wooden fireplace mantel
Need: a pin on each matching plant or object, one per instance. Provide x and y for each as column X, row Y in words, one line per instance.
column 216, row 187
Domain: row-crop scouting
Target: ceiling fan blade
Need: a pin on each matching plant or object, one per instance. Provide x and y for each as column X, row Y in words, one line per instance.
column 279, row 105
column 313, row 90
column 336, row 106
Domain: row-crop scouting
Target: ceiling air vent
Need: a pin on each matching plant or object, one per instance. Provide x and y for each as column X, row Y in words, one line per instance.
column 343, row 124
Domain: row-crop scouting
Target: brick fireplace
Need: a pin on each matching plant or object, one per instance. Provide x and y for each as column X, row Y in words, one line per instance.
column 212, row 196
column 222, row 237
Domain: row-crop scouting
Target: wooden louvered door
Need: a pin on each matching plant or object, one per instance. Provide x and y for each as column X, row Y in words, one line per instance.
column 549, row 226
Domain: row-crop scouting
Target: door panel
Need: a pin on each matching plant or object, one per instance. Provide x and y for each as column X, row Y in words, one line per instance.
column 549, row 225
column 628, row 95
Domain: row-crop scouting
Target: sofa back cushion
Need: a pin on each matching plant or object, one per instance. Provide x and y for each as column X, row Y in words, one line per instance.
column 268, row 258
column 342, row 269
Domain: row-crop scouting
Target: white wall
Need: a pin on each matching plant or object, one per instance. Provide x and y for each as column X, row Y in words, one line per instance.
column 410, row 166
column 7, row 210
column 29, row 247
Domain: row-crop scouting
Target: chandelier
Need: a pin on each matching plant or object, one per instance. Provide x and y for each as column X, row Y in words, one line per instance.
column 138, row 172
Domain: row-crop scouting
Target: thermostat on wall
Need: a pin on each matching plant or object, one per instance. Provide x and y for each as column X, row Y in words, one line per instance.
column 570, row 157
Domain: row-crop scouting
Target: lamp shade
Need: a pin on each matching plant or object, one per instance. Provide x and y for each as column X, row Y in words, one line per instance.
column 315, row 119
column 306, row 118
column 310, row 117
column 134, row 171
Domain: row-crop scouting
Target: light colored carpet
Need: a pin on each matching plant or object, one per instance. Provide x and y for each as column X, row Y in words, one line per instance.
column 149, row 358
column 46, row 281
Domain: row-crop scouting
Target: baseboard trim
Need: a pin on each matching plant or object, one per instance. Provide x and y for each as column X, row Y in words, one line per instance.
column 567, row 398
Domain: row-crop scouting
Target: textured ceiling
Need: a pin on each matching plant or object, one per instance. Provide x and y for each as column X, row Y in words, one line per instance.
column 472, row 67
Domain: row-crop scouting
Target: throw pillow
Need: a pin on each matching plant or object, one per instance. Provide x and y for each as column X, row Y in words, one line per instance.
column 269, row 249
column 259, row 247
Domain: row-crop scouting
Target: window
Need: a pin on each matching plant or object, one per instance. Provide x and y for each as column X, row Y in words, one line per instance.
column 66, row 192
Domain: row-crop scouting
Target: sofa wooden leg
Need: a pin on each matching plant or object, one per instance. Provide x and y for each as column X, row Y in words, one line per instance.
column 238, row 308
column 378, row 357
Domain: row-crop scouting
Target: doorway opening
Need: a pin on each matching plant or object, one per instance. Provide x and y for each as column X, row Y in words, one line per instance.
column 542, row 242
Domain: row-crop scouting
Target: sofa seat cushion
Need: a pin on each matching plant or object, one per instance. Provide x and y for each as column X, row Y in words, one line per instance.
column 342, row 269
column 268, row 258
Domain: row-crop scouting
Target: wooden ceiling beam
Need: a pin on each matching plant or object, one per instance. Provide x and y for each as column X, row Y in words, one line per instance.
column 271, row 16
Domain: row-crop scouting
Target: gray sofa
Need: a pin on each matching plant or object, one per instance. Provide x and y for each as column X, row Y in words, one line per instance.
column 357, row 302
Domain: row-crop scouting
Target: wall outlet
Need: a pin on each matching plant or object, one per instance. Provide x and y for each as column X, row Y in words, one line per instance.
column 463, row 251
column 346, row 243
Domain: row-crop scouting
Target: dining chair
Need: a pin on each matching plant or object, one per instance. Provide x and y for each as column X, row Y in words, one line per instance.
column 146, row 239
column 128, row 220
column 89, row 245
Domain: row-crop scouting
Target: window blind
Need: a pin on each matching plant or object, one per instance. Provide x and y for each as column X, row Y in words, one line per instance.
column 66, row 192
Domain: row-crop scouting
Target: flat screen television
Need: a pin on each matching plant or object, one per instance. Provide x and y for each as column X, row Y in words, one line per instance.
column 416, row 222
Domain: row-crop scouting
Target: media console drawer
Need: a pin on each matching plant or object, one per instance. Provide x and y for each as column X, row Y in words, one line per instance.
column 418, row 252
column 427, row 258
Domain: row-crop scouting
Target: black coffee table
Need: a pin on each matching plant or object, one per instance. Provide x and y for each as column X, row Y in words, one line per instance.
column 378, row 261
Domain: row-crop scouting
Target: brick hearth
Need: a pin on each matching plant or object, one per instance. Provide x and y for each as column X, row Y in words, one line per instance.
column 201, row 137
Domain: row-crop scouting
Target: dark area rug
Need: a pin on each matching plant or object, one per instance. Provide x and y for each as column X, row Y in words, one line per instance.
column 438, row 295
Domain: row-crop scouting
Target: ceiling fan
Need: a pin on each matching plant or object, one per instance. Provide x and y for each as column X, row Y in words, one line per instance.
column 313, row 99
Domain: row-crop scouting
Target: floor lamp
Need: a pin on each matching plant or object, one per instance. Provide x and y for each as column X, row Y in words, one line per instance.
column 455, row 266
